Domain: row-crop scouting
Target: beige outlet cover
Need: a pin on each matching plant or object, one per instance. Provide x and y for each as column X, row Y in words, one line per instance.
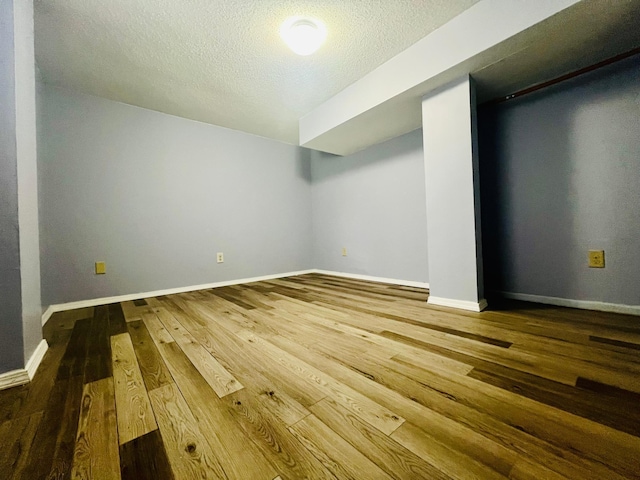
column 596, row 258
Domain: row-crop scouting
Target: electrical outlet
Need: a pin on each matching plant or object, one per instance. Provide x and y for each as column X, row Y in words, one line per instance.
column 101, row 268
column 220, row 257
column 344, row 251
column 596, row 258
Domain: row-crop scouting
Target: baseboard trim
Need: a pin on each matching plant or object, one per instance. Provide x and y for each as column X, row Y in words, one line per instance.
column 461, row 304
column 61, row 307
column 22, row 376
column 47, row 314
column 393, row 281
column 14, row 378
column 36, row 358
column 582, row 304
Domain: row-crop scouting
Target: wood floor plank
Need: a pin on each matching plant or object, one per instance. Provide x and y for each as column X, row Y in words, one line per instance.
column 41, row 455
column 117, row 322
column 276, row 443
column 156, row 329
column 618, row 343
column 604, row 404
column 134, row 413
column 237, row 454
column 96, row 452
column 222, row 382
column 220, row 341
column 335, row 453
column 392, row 390
column 12, row 401
column 385, row 452
column 65, row 320
column 371, row 342
column 332, row 377
column 448, row 460
column 98, row 363
column 591, row 440
column 452, row 420
column 154, row 372
column 527, row 363
column 73, row 360
column 231, row 296
column 16, row 439
column 279, row 397
column 381, row 418
column 133, row 310
column 145, row 458
column 64, row 433
column 188, row 450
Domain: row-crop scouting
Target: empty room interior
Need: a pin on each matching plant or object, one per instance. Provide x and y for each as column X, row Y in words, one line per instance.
column 271, row 240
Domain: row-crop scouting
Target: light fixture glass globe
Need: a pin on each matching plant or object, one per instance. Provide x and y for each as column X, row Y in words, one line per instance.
column 303, row 35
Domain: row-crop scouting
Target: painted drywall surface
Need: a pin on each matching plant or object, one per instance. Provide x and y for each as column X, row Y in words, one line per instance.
column 11, row 350
column 156, row 196
column 561, row 175
column 450, row 185
column 26, row 140
column 372, row 204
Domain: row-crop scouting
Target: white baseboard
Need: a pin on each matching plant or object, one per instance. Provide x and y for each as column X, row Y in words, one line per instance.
column 61, row 307
column 461, row 304
column 22, row 376
column 36, row 358
column 47, row 314
column 583, row 304
column 13, row 378
column 393, row 281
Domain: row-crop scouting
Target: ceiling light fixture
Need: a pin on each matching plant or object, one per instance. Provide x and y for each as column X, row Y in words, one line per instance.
column 303, row 35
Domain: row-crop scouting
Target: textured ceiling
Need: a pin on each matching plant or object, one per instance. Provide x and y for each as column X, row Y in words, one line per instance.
column 222, row 61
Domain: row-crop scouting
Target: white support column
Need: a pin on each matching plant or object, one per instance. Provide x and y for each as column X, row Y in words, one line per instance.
column 453, row 196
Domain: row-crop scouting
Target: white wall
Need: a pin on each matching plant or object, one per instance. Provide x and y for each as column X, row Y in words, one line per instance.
column 156, row 196
column 373, row 204
column 561, row 175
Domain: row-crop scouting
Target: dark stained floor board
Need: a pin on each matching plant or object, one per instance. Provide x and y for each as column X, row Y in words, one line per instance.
column 117, row 322
column 40, row 388
column 617, row 343
column 145, row 458
column 16, row 440
column 73, row 360
column 98, row 364
column 53, row 444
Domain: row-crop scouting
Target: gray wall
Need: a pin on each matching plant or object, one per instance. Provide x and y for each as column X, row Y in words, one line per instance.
column 156, row 196
column 26, row 140
column 561, row 175
column 372, row 203
column 11, row 344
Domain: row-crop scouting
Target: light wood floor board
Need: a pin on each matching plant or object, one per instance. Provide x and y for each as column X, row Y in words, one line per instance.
column 317, row 376
column 188, row 450
column 96, row 451
column 335, row 453
column 222, row 382
column 135, row 416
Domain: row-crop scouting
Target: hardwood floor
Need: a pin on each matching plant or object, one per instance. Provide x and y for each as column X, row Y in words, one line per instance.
column 324, row 377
